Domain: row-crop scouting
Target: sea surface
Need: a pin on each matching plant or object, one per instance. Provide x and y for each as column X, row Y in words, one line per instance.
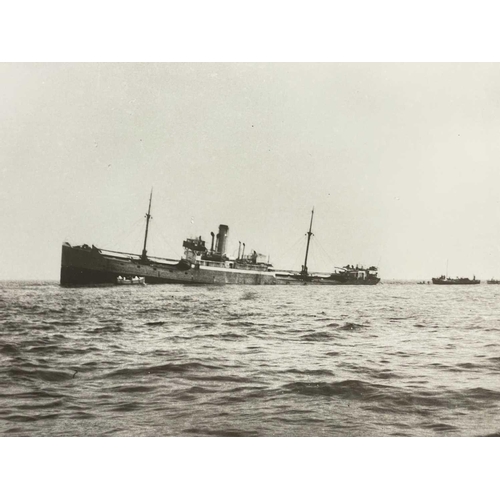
column 396, row 359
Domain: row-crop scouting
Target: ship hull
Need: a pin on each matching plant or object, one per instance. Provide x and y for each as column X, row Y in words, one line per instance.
column 320, row 282
column 85, row 266
column 437, row 281
column 291, row 279
column 352, row 282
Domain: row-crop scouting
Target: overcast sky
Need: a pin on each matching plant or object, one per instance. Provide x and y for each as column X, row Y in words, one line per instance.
column 400, row 161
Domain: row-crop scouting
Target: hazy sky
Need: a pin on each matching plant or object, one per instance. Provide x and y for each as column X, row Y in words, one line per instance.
column 400, row 161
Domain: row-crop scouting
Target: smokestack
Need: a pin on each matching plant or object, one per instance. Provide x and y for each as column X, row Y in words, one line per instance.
column 239, row 248
column 221, row 239
column 243, row 250
column 213, row 236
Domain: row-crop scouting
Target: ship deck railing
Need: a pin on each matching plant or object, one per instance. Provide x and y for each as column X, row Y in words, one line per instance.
column 128, row 255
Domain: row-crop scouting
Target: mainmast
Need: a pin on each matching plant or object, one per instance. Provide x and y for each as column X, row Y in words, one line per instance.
column 148, row 216
column 309, row 234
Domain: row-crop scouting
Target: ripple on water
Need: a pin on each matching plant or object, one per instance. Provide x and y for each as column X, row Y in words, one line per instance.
column 173, row 360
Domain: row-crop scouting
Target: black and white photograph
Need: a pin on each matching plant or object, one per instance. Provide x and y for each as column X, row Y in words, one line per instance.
column 267, row 244
column 226, row 248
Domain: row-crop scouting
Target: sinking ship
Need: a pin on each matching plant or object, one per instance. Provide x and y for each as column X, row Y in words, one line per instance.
column 348, row 275
column 89, row 265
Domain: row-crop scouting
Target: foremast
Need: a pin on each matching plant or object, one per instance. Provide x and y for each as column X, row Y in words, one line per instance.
column 309, row 234
column 148, row 217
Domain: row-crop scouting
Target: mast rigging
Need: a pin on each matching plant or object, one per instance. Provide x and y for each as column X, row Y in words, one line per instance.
column 148, row 217
column 309, row 234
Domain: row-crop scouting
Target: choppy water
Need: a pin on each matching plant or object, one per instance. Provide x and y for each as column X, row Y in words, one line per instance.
column 172, row 360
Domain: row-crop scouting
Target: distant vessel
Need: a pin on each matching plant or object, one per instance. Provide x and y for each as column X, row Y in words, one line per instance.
column 443, row 280
column 348, row 275
column 89, row 265
column 493, row 282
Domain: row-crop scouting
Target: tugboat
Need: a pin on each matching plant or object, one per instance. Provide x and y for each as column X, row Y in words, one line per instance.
column 443, row 280
column 493, row 282
column 348, row 275
column 89, row 265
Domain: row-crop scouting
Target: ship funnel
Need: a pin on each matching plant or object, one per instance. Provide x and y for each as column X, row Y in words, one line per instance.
column 239, row 249
column 221, row 239
column 243, row 253
column 213, row 236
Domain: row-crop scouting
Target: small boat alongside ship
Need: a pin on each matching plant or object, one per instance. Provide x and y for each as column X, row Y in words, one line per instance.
column 136, row 280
